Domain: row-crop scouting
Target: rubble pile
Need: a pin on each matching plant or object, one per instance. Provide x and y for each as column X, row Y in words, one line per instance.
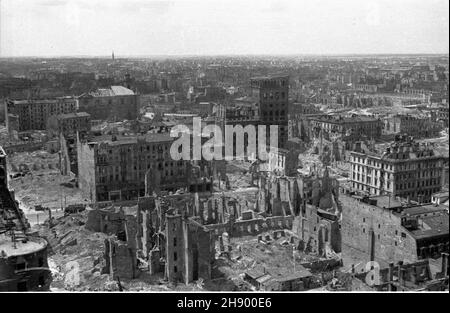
column 74, row 249
column 36, row 180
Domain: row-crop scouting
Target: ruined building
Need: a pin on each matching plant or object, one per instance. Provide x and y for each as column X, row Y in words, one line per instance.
column 312, row 202
column 66, row 127
column 114, row 167
column 349, row 128
column 173, row 240
column 416, row 276
column 32, row 114
column 386, row 230
column 190, row 249
column 411, row 125
column 120, row 222
column 23, row 257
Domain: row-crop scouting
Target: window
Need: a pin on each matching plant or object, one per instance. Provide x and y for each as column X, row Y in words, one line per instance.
column 175, row 269
column 175, row 242
column 20, row 266
column 175, row 256
column 41, row 281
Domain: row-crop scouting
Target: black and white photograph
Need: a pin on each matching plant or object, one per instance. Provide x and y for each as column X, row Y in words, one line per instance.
column 192, row 149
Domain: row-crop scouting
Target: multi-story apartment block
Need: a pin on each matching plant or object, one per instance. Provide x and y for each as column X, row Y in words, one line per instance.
column 405, row 169
column 411, row 125
column 32, row 114
column 354, row 127
column 68, row 124
column 114, row 168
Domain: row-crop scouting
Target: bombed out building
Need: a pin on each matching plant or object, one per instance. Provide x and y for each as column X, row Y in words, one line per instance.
column 23, row 256
column 384, row 229
column 114, row 167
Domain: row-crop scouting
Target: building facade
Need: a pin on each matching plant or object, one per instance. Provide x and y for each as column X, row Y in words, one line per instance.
column 32, row 114
column 389, row 231
column 68, row 124
column 411, row 125
column 405, row 169
column 352, row 128
column 115, row 168
column 116, row 103
column 272, row 95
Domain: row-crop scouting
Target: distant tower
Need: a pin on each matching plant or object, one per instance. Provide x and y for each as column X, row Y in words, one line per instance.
column 272, row 93
column 113, row 56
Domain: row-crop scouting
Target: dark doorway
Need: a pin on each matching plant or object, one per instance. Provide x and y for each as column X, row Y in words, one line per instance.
column 195, row 263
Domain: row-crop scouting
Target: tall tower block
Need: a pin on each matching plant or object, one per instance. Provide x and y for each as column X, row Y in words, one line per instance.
column 272, row 94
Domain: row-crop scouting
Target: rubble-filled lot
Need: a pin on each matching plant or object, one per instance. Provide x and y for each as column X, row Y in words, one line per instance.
column 73, row 249
column 241, row 188
column 274, row 256
column 36, row 180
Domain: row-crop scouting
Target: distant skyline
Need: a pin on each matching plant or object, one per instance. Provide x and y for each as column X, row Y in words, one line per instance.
column 44, row 28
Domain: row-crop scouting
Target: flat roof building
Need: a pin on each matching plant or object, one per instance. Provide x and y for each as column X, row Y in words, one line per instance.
column 115, row 103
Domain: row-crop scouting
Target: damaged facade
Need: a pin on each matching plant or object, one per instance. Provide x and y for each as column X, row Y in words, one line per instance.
column 387, row 230
column 405, row 169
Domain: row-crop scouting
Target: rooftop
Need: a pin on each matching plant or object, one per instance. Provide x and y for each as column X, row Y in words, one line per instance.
column 113, row 91
column 431, row 226
column 123, row 140
column 424, row 209
column 32, row 101
column 270, row 76
column 21, row 248
column 343, row 120
column 72, row 115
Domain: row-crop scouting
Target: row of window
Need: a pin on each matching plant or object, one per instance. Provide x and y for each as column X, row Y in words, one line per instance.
column 274, row 95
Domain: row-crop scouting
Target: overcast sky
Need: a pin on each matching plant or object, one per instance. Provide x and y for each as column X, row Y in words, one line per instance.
column 211, row 27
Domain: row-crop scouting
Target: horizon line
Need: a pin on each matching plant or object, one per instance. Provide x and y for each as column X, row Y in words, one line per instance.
column 228, row 55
